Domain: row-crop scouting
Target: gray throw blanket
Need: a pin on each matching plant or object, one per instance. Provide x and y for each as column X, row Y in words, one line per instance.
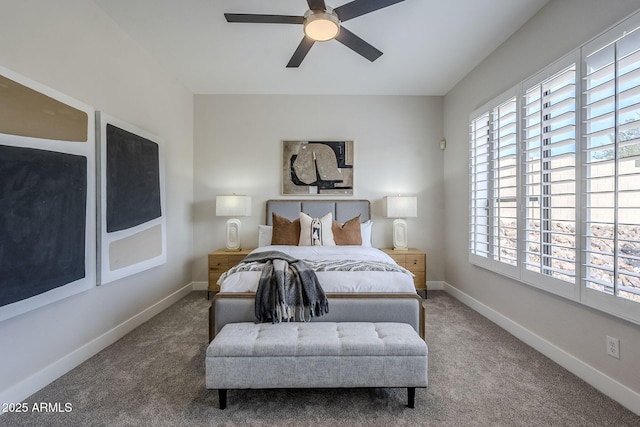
column 288, row 289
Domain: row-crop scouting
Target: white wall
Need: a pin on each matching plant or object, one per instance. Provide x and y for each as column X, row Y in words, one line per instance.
column 238, row 148
column 74, row 48
column 568, row 330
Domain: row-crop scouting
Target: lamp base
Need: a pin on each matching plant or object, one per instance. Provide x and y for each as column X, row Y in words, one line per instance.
column 399, row 235
column 233, row 235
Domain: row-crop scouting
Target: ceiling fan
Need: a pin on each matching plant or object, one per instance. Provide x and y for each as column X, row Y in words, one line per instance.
column 322, row 23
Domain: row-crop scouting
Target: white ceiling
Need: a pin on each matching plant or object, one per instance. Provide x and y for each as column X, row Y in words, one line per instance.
column 428, row 45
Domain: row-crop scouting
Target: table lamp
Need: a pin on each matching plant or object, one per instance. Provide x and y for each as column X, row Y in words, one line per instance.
column 400, row 207
column 233, row 206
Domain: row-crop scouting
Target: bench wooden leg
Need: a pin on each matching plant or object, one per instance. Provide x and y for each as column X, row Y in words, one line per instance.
column 411, row 394
column 222, row 397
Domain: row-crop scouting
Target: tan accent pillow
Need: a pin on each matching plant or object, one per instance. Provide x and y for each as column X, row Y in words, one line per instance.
column 285, row 232
column 348, row 233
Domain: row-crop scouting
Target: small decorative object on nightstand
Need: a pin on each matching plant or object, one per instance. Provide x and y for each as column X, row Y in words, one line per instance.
column 415, row 261
column 400, row 207
column 221, row 261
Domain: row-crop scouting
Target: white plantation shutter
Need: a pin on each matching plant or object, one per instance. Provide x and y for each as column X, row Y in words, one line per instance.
column 493, row 175
column 479, row 173
column 611, row 144
column 504, row 211
column 554, row 168
column 549, row 174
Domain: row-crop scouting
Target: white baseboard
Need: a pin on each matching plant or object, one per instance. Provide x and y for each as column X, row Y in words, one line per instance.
column 45, row 376
column 200, row 286
column 615, row 390
column 435, row 285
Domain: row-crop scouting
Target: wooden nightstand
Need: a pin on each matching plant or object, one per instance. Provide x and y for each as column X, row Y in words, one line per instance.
column 221, row 261
column 413, row 260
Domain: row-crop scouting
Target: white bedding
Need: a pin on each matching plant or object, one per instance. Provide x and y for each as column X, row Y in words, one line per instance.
column 332, row 281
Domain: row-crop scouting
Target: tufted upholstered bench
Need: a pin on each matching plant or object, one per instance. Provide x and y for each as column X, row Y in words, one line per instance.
column 316, row 355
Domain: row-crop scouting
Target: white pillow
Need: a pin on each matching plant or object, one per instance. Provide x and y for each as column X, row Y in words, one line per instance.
column 365, row 231
column 316, row 231
column 264, row 235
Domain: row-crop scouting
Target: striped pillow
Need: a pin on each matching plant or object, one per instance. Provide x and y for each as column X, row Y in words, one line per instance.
column 316, row 231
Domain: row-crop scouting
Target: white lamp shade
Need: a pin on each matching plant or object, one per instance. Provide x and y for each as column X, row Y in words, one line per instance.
column 401, row 206
column 233, row 206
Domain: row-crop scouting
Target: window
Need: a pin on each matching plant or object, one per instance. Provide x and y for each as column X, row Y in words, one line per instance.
column 504, row 158
column 479, row 173
column 611, row 145
column 555, row 177
column 549, row 174
column 493, row 162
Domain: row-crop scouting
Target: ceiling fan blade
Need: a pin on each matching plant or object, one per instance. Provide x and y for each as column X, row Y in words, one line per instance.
column 360, row 7
column 301, row 52
column 263, row 19
column 358, row 45
column 317, row 5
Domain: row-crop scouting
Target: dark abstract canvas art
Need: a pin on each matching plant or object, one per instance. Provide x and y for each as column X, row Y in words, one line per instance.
column 132, row 225
column 47, row 196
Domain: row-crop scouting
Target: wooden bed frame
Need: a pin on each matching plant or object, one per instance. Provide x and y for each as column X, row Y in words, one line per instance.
column 344, row 307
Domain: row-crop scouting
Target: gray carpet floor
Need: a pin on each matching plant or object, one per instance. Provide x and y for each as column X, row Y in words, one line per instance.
column 479, row 375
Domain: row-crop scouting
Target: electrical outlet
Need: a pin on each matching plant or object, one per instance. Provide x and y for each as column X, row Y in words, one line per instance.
column 613, row 347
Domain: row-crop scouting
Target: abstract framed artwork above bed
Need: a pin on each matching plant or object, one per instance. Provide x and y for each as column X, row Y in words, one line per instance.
column 131, row 206
column 47, row 202
column 317, row 168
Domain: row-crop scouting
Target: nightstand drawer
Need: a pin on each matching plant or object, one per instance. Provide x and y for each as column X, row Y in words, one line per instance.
column 217, row 262
column 235, row 259
column 221, row 261
column 420, row 280
column 213, row 277
column 400, row 259
column 415, row 262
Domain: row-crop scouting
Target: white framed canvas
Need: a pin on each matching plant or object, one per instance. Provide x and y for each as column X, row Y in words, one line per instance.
column 47, row 195
column 131, row 201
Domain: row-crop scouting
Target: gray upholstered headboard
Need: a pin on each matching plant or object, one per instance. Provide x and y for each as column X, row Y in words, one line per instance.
column 342, row 210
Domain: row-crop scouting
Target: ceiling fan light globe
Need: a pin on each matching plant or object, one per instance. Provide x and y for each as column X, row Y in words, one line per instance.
column 321, row 26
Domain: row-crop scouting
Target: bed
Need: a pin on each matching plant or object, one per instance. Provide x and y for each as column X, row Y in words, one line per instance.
column 382, row 293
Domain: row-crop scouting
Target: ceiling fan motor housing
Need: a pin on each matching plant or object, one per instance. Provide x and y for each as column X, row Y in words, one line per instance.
column 321, row 25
